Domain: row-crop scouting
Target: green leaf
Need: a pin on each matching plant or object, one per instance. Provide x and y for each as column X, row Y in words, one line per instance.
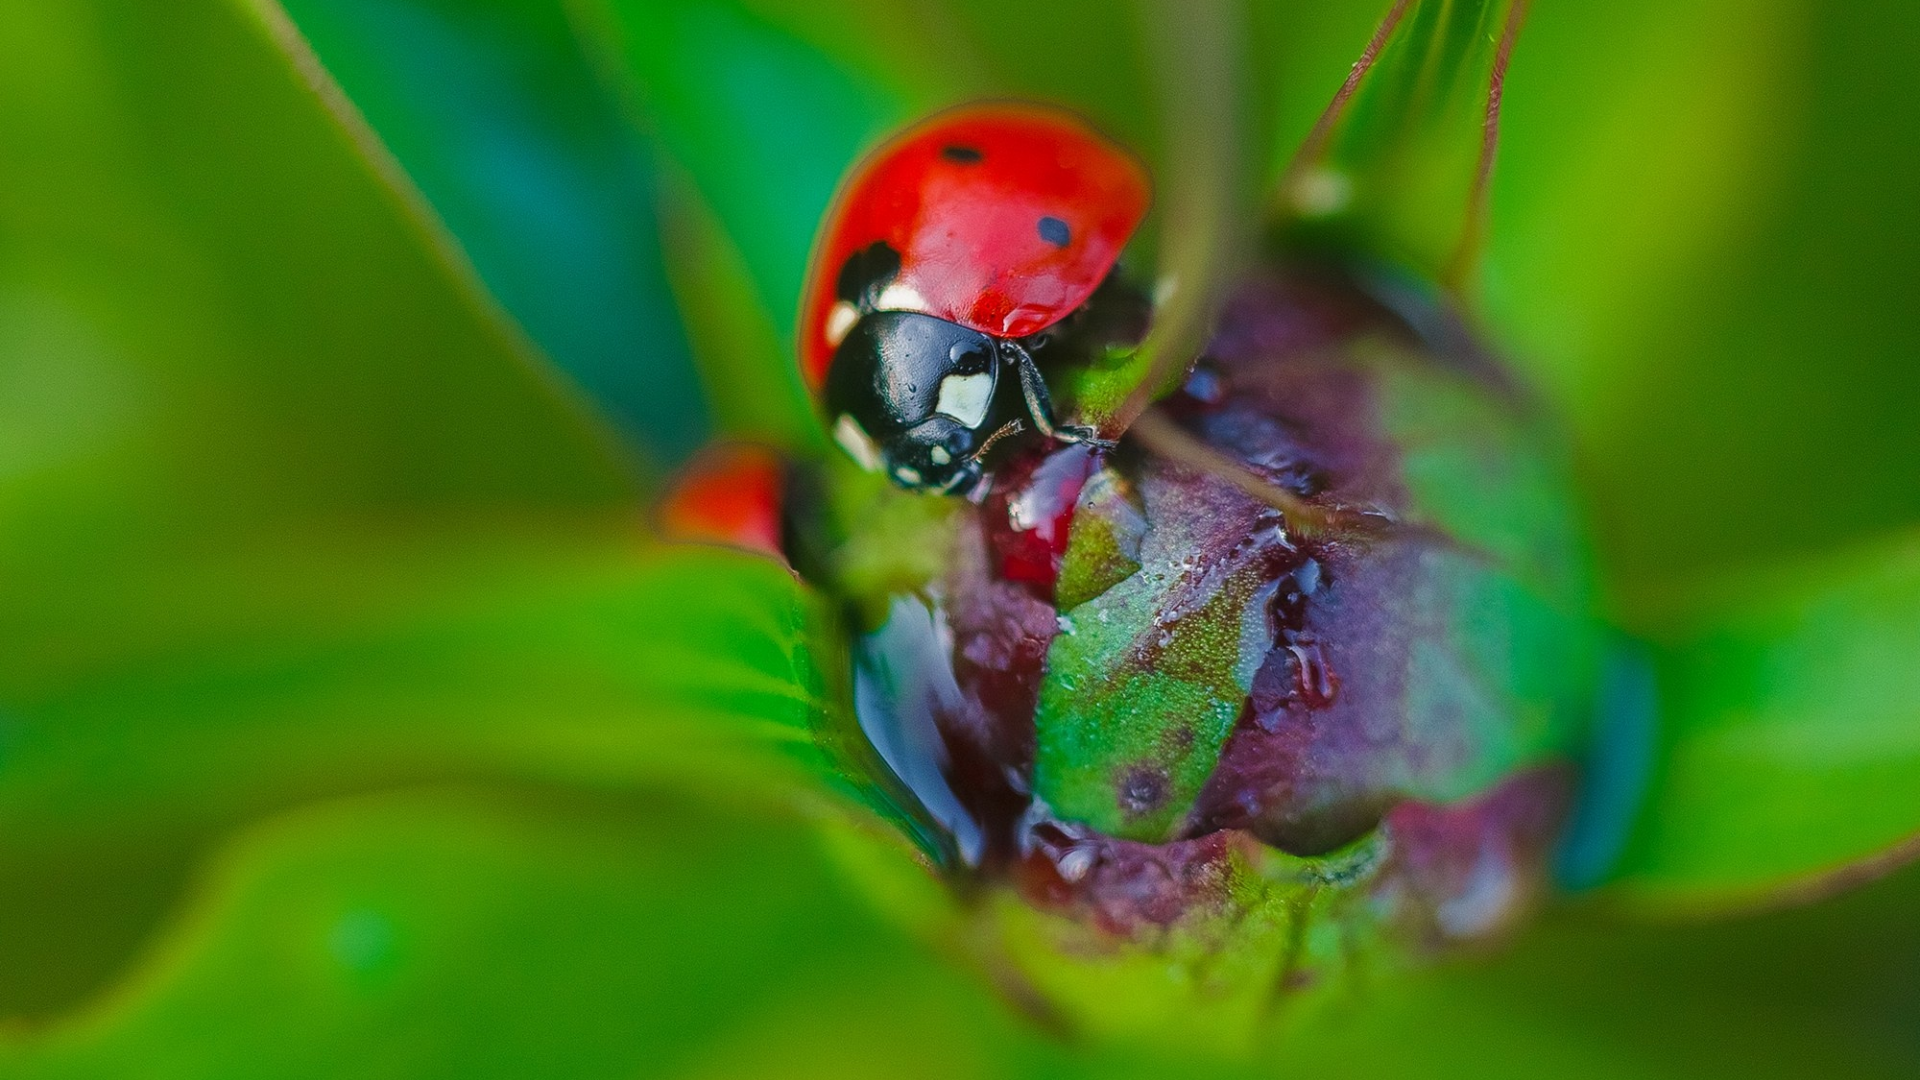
column 1791, row 730
column 759, row 395
column 738, row 100
column 284, row 514
column 547, row 660
column 1700, row 243
column 492, row 110
column 1299, row 53
column 210, row 343
column 1818, row 991
column 214, row 354
column 211, row 356
column 215, row 357
column 488, row 935
column 757, row 114
column 1204, row 188
column 472, row 934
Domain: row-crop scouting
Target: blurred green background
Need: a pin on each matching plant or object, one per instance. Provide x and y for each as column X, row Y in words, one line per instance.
column 350, row 724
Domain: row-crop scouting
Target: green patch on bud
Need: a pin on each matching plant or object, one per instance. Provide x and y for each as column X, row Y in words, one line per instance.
column 1104, row 549
column 1146, row 679
column 1491, row 475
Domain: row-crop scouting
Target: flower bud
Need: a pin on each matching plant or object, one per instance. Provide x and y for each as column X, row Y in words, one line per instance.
column 1298, row 665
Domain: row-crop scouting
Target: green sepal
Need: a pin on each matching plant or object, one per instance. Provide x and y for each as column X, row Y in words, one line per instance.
column 1397, row 171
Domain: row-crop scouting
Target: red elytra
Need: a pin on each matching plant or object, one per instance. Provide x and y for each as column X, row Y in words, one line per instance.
column 1006, row 217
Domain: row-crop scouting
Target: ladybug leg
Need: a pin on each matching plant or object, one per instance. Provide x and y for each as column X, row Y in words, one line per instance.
column 1040, row 403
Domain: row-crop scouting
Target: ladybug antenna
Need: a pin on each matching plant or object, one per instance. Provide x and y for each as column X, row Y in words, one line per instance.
column 1011, row 427
column 1040, row 403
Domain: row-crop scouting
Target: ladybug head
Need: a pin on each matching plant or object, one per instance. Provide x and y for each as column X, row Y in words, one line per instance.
column 915, row 396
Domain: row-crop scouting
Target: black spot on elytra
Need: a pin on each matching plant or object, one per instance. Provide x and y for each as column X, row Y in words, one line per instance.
column 1142, row 790
column 962, row 155
column 1055, row 232
column 865, row 274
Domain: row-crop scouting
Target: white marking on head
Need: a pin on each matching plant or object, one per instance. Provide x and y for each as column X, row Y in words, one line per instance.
column 938, row 455
column 900, row 298
column 840, row 319
column 856, row 442
column 966, row 397
column 908, row 475
column 958, row 477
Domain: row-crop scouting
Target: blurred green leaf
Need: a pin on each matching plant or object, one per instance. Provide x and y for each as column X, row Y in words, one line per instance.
column 1703, row 244
column 1194, row 62
column 603, row 669
column 762, row 121
column 213, row 353
column 1636, row 138
column 555, row 661
column 460, row 935
column 1299, row 52
column 492, row 110
column 285, row 515
column 242, row 384
column 234, row 393
column 759, row 395
column 467, row 934
column 1826, row 991
column 1792, row 739
column 757, row 114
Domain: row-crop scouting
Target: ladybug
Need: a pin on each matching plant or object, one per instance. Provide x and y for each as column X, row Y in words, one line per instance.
column 949, row 253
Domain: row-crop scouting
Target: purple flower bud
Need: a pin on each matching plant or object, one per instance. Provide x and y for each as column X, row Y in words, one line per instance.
column 1311, row 642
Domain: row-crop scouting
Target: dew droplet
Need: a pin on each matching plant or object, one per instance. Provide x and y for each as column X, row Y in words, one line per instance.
column 1075, row 864
column 1315, row 681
